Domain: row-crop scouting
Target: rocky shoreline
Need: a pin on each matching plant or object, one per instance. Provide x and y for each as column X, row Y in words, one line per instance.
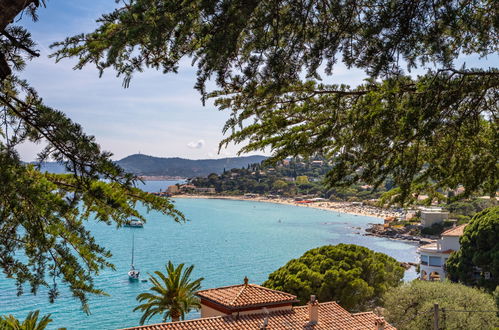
column 407, row 233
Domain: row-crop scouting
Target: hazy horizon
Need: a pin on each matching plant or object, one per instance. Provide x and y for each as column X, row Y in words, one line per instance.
column 142, row 154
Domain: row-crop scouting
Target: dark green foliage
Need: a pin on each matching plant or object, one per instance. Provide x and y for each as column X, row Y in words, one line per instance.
column 270, row 58
column 173, row 295
column 30, row 323
column 43, row 239
column 496, row 297
column 468, row 208
column 351, row 275
column 410, row 306
column 479, row 248
column 282, row 179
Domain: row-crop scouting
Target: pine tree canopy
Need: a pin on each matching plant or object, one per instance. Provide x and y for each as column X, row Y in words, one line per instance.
column 274, row 66
column 43, row 239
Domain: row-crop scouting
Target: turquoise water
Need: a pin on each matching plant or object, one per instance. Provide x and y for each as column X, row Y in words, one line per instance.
column 225, row 240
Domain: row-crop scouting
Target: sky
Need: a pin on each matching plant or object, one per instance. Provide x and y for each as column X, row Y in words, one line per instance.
column 159, row 115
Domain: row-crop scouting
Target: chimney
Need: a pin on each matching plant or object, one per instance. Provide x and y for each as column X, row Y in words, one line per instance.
column 380, row 323
column 313, row 310
column 246, row 281
column 265, row 323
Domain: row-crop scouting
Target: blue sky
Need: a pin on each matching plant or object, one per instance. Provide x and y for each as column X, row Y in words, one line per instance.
column 159, row 115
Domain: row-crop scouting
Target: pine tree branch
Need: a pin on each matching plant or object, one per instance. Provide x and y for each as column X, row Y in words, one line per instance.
column 16, row 43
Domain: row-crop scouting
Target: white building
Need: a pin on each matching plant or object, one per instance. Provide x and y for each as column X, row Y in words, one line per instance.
column 430, row 216
column 433, row 256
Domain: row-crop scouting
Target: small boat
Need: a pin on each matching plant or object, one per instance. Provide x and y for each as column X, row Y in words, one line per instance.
column 134, row 223
column 133, row 274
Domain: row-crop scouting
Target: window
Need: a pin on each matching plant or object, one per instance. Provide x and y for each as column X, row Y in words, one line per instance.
column 435, row 261
column 424, row 260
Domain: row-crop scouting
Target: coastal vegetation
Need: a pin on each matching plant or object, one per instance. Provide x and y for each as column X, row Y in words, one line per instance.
column 411, row 306
column 173, row 294
column 477, row 260
column 354, row 276
column 464, row 210
column 293, row 177
column 460, row 212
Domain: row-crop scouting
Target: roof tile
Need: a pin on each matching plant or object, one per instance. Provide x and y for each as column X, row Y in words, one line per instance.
column 244, row 295
column 331, row 317
column 456, row 231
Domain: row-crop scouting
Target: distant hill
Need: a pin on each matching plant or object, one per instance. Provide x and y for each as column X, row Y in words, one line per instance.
column 156, row 166
column 52, row 167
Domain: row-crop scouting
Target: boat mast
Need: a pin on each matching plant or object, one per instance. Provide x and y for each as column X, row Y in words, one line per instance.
column 133, row 241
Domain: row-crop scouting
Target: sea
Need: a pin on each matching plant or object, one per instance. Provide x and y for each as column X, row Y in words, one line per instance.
column 225, row 240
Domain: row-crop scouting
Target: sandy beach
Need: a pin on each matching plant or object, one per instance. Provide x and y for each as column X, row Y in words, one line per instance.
column 341, row 207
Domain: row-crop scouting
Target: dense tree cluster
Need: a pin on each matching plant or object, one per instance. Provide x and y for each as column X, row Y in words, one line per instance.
column 271, row 61
column 464, row 210
column 294, row 177
column 351, row 275
column 479, row 252
column 410, row 306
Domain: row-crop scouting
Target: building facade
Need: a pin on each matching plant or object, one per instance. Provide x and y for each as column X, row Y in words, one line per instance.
column 430, row 216
column 433, row 256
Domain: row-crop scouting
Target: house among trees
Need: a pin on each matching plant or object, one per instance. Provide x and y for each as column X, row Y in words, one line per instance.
column 433, row 256
column 250, row 306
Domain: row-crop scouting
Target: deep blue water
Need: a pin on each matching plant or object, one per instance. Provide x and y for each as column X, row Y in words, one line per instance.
column 225, row 240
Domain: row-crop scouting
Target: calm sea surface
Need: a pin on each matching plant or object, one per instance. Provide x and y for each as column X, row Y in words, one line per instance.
column 225, row 240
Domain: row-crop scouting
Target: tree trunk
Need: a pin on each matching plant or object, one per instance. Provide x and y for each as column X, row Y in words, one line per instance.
column 4, row 67
column 175, row 315
column 9, row 9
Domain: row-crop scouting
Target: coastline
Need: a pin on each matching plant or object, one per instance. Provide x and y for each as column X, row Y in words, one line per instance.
column 340, row 207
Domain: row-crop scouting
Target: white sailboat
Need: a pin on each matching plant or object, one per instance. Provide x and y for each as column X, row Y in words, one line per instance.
column 133, row 274
column 134, row 223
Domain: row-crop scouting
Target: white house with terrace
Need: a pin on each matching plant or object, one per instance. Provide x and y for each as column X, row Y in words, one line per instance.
column 433, row 256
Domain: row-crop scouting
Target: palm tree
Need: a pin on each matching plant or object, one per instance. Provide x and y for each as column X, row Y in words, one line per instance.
column 30, row 323
column 174, row 294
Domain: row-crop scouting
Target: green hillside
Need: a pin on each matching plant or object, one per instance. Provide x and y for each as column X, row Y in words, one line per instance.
column 149, row 165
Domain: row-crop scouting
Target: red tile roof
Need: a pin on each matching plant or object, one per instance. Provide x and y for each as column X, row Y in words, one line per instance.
column 331, row 317
column 456, row 231
column 244, row 295
column 369, row 318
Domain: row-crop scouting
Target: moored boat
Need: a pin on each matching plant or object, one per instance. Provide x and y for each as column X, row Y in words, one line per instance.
column 133, row 274
column 134, row 223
